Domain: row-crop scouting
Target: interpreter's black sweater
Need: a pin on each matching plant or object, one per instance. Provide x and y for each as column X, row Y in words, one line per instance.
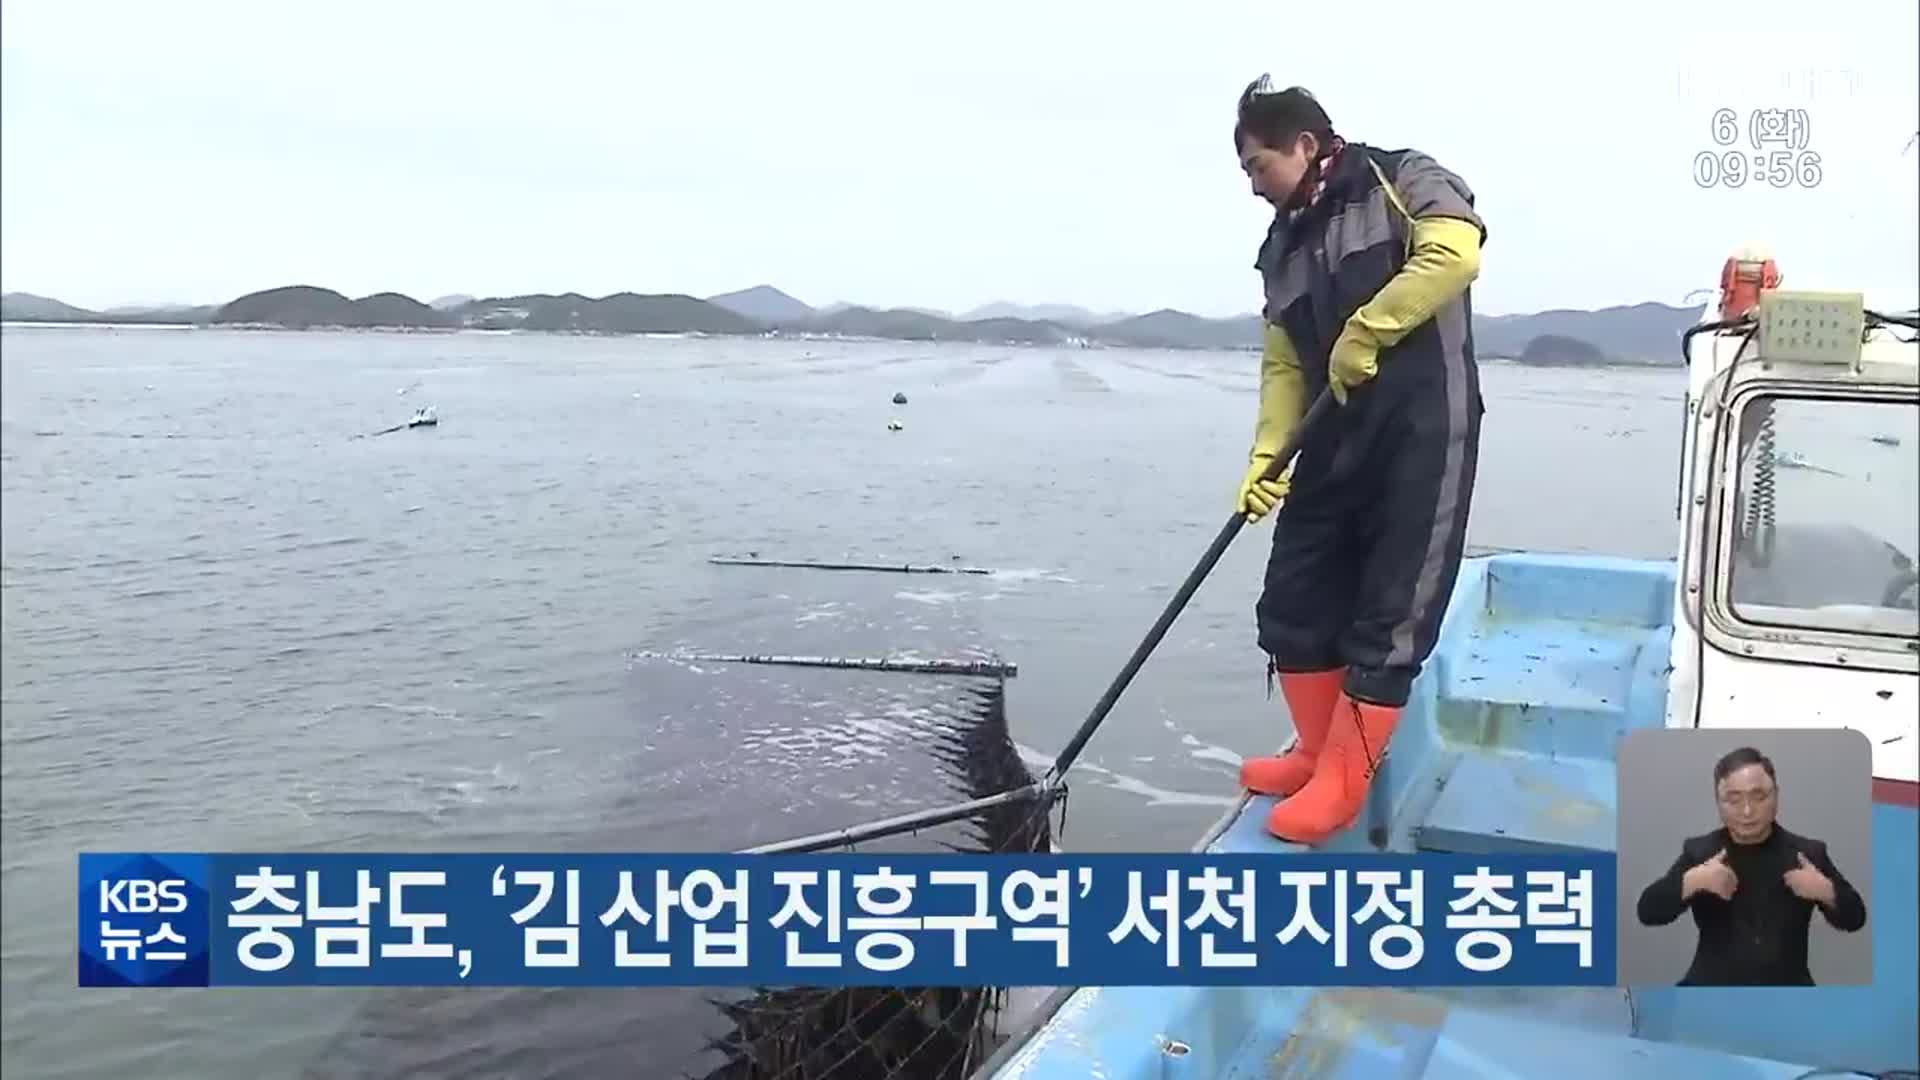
column 1758, row 938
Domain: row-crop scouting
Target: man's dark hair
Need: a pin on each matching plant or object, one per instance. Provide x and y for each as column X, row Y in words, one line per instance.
column 1740, row 759
column 1277, row 117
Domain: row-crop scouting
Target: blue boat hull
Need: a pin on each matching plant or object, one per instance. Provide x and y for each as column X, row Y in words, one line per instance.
column 1508, row 745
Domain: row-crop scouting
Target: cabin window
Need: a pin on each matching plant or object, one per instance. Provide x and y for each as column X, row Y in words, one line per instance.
column 1826, row 522
column 1826, row 515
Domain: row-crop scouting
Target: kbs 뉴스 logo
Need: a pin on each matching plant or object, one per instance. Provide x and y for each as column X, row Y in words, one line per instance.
column 143, row 920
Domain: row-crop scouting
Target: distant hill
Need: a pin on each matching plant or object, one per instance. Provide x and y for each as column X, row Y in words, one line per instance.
column 396, row 309
column 27, row 307
column 306, row 307
column 1020, row 331
column 763, row 304
column 30, row 307
column 150, row 309
column 911, row 324
column 1162, row 329
column 931, row 313
column 302, row 307
column 1170, row 329
column 196, row 315
column 1064, row 314
column 1556, row 350
column 1628, row 334
column 888, row 323
column 621, row 313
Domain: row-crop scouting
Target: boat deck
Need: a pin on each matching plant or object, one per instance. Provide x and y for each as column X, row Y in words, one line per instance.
column 1240, row 1033
column 1508, row 743
column 1507, row 746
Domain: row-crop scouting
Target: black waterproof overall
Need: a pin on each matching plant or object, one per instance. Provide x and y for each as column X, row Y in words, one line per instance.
column 1368, row 543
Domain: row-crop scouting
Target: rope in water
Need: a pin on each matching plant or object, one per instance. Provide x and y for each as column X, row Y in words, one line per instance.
column 990, row 668
column 894, row 568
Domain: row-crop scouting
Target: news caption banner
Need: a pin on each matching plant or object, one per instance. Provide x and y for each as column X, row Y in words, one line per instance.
column 219, row 919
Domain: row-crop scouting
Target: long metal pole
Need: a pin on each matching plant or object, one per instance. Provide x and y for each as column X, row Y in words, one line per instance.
column 905, row 823
column 1050, row 787
column 1172, row 611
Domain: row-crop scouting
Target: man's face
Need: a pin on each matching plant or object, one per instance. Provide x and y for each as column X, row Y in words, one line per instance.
column 1748, row 800
column 1276, row 172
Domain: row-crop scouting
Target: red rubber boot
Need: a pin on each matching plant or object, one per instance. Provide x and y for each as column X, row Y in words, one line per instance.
column 1310, row 697
column 1331, row 801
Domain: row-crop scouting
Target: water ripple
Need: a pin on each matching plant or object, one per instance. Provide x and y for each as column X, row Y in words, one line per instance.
column 228, row 624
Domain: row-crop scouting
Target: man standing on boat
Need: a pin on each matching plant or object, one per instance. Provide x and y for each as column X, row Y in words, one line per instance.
column 1366, row 268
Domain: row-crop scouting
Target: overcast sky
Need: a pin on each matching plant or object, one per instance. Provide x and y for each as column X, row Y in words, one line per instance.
column 894, row 153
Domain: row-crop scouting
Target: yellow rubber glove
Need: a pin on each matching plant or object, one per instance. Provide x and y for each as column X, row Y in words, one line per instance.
column 1352, row 362
column 1444, row 261
column 1283, row 400
column 1258, row 497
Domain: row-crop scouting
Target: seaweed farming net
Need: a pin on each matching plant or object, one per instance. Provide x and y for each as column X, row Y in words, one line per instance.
column 939, row 1033
column 729, row 755
column 932, row 1033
